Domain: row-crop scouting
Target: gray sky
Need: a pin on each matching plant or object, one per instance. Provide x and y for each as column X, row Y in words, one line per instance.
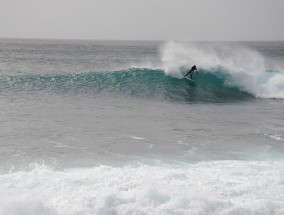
column 143, row 19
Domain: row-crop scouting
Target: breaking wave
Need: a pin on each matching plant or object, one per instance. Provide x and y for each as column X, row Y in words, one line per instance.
column 210, row 86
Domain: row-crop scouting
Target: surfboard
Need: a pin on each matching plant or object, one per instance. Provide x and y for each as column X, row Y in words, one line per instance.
column 189, row 79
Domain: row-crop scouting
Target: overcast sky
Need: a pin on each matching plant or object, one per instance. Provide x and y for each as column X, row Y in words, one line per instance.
column 143, row 19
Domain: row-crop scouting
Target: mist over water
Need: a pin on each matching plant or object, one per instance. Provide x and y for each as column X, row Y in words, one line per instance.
column 99, row 127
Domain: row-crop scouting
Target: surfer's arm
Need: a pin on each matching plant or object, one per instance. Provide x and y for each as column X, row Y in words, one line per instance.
column 187, row 72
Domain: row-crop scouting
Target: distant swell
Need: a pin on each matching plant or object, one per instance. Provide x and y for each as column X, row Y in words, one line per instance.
column 217, row 86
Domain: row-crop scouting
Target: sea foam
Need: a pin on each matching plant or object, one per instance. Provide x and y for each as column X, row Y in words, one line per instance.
column 217, row 187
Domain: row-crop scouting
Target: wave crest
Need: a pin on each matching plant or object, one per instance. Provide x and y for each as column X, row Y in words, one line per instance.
column 247, row 68
column 141, row 83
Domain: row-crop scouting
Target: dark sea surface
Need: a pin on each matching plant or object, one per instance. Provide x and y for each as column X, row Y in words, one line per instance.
column 112, row 127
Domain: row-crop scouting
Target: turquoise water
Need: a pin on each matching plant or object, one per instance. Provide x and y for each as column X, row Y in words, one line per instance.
column 135, row 82
column 105, row 127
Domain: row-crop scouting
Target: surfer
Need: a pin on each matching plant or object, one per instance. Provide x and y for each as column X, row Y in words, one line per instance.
column 190, row 71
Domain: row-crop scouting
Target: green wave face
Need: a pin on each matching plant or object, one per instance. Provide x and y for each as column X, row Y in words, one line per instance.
column 140, row 83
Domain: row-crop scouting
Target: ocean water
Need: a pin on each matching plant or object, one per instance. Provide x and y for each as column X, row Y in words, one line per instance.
column 111, row 127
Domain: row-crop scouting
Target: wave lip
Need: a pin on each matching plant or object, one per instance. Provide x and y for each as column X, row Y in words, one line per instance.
column 273, row 87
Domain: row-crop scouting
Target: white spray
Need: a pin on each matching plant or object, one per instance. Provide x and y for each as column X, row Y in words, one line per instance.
column 246, row 67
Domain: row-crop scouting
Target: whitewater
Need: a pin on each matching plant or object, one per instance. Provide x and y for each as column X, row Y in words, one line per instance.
column 111, row 127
